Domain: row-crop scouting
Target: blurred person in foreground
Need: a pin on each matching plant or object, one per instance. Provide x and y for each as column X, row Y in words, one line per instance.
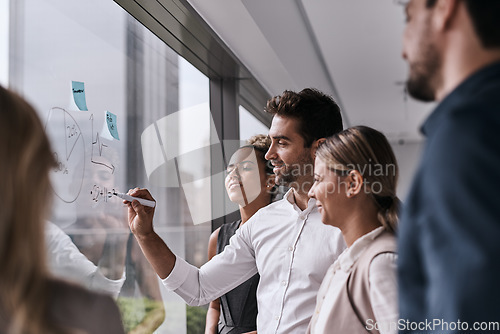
column 448, row 245
column 249, row 183
column 30, row 300
column 356, row 175
column 285, row 242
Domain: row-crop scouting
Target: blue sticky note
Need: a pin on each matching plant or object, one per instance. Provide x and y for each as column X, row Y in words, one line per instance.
column 111, row 120
column 78, row 89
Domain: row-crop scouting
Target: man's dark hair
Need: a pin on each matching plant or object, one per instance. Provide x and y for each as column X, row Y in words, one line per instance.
column 485, row 16
column 318, row 114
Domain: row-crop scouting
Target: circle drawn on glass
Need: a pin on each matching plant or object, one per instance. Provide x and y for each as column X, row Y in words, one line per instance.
column 68, row 146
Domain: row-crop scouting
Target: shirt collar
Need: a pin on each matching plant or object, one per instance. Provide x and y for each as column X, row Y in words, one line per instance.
column 462, row 92
column 349, row 256
column 290, row 198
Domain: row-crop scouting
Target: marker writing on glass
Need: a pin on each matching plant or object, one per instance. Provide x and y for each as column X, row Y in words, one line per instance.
column 129, row 198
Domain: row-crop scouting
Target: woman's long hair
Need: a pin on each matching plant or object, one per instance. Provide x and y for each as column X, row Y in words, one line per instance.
column 25, row 162
column 367, row 150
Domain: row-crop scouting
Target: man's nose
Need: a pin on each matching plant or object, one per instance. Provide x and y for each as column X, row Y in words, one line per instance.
column 270, row 154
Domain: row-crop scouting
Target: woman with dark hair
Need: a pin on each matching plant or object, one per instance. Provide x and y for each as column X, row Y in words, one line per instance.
column 30, row 300
column 355, row 190
column 250, row 184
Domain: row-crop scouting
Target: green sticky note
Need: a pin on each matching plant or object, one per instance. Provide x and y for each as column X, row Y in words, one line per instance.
column 111, row 120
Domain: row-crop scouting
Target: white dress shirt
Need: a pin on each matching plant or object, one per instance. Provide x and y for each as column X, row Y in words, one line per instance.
column 383, row 287
column 67, row 262
column 291, row 249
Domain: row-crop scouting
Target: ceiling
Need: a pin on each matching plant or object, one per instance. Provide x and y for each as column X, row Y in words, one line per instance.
column 350, row 49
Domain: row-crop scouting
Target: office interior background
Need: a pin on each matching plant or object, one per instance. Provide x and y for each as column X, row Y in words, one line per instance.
column 188, row 80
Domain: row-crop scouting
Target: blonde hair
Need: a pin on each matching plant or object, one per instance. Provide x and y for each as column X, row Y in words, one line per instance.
column 367, row 150
column 25, row 161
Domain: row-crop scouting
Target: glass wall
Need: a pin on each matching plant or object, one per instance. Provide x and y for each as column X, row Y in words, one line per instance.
column 250, row 125
column 122, row 110
column 4, row 42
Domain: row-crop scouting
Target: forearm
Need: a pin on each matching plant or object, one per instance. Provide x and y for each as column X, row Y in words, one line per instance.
column 212, row 321
column 140, row 220
column 213, row 313
column 216, row 277
column 157, row 253
column 200, row 286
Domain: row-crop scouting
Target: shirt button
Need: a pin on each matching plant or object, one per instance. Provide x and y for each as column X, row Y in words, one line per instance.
column 277, row 318
column 302, row 217
column 283, row 283
column 290, row 248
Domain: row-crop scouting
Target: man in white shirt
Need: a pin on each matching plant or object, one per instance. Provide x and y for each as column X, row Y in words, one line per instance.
column 68, row 262
column 285, row 242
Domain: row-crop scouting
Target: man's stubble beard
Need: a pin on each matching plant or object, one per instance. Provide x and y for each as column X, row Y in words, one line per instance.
column 295, row 174
column 425, row 73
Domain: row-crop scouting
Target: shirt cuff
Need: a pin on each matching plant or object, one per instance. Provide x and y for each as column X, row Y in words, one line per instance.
column 101, row 283
column 178, row 275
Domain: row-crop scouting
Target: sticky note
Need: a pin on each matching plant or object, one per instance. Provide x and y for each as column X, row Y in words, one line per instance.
column 111, row 121
column 78, row 89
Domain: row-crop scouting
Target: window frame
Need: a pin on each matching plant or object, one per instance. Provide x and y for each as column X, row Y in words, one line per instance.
column 177, row 24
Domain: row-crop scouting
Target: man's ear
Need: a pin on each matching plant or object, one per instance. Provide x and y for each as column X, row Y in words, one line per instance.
column 444, row 13
column 315, row 145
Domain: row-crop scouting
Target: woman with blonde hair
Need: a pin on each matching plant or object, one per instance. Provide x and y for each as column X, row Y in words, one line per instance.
column 356, row 175
column 30, row 300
